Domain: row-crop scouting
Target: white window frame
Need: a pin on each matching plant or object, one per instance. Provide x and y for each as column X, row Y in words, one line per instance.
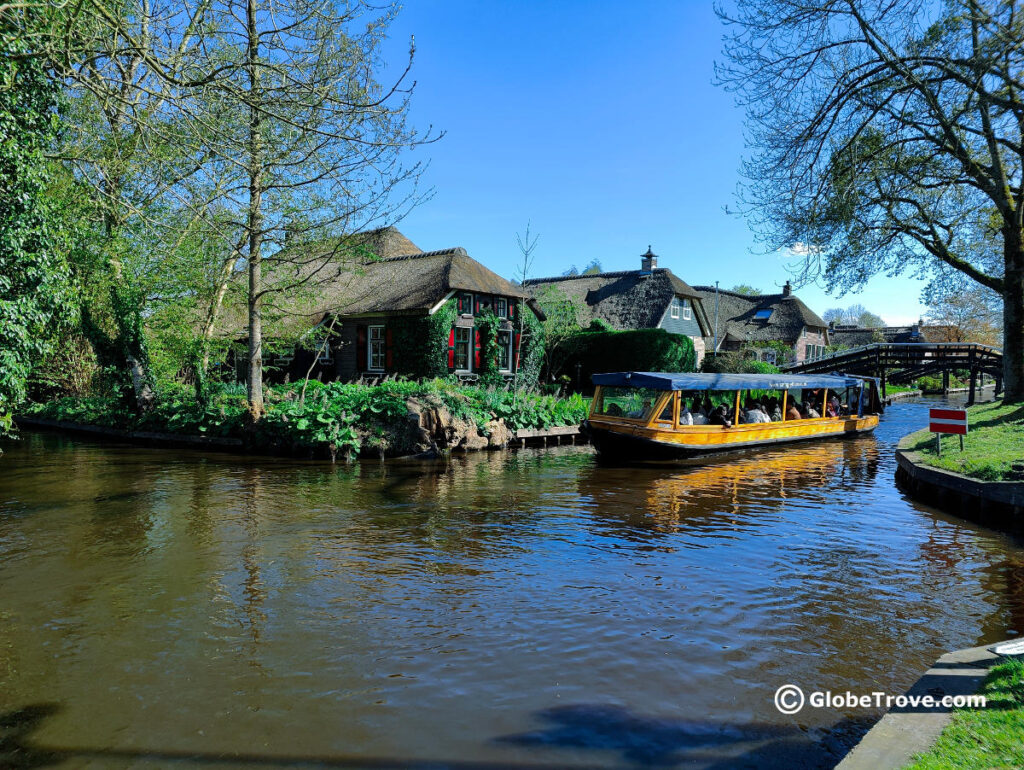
column 501, row 307
column 507, row 348
column 674, row 308
column 382, row 353
column 687, row 310
column 469, row 349
column 769, row 356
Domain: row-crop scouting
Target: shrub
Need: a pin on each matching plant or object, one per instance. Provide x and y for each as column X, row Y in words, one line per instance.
column 640, row 350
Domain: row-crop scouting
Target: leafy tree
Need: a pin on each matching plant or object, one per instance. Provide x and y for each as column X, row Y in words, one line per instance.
column 746, row 290
column 35, row 289
column 310, row 142
column 888, row 138
column 564, row 315
column 854, row 315
column 968, row 313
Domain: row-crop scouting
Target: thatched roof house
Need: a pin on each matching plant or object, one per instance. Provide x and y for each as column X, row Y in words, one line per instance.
column 649, row 298
column 360, row 291
column 754, row 321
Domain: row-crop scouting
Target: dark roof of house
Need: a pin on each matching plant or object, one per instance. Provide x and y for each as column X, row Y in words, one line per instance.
column 787, row 316
column 631, row 299
column 856, row 336
column 328, row 285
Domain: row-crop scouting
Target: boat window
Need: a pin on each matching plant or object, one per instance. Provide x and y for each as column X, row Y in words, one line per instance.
column 666, row 413
column 632, row 403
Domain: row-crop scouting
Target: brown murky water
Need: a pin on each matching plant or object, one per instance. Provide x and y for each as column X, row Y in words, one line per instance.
column 508, row 610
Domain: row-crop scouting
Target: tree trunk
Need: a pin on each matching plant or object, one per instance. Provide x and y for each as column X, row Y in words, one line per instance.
column 1013, row 317
column 255, row 225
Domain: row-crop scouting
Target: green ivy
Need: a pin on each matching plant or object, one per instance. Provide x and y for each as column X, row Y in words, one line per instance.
column 487, row 326
column 34, row 275
column 419, row 344
column 644, row 350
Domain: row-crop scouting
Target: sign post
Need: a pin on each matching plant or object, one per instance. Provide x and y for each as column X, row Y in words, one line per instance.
column 947, row 421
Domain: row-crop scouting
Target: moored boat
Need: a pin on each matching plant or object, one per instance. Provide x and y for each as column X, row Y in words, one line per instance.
column 663, row 416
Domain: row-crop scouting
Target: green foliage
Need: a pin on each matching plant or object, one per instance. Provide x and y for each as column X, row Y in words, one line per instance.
column 487, row 326
column 340, row 419
column 419, row 344
column 650, row 350
column 533, row 345
column 34, row 276
column 746, row 290
column 736, row 362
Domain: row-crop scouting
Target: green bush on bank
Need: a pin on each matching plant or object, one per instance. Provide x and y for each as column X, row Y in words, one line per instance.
column 650, row 350
column 340, row 418
column 994, row 442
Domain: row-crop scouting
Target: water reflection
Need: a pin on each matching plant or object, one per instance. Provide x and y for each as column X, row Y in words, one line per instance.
column 498, row 610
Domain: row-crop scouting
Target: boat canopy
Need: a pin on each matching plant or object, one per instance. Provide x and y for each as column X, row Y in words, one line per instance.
column 689, row 381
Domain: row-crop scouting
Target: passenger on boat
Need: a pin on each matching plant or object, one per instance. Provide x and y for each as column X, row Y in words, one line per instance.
column 698, row 414
column 685, row 416
column 720, row 417
column 774, row 409
column 793, row 411
column 755, row 413
column 834, row 408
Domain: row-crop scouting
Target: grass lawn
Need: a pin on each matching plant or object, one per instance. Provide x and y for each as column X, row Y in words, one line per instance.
column 995, row 440
column 992, row 737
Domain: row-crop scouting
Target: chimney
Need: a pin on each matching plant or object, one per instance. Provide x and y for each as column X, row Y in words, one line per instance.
column 915, row 330
column 648, row 261
column 787, row 290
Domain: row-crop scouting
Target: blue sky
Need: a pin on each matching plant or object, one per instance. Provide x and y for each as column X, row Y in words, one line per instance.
column 598, row 123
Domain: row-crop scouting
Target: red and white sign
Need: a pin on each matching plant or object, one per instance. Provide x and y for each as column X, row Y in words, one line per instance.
column 948, row 421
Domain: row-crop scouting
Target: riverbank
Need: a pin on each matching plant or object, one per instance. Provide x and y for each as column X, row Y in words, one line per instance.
column 993, row 445
column 944, row 738
column 340, row 421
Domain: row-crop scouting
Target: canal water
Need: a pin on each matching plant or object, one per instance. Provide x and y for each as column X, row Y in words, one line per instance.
column 508, row 610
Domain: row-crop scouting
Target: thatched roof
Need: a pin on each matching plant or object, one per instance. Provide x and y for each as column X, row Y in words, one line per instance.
column 328, row 283
column 787, row 316
column 631, row 299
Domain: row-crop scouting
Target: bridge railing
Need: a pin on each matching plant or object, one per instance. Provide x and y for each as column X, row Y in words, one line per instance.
column 922, row 349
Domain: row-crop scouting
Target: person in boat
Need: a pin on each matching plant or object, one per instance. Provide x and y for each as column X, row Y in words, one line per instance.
column 685, row 415
column 834, row 408
column 810, row 412
column 774, row 409
column 720, row 416
column 699, row 416
column 755, row 413
column 793, row 411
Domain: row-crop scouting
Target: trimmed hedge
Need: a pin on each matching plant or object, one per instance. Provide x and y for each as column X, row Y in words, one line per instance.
column 638, row 350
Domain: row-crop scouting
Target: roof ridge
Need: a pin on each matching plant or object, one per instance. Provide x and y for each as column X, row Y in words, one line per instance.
column 457, row 251
column 609, row 274
column 741, row 295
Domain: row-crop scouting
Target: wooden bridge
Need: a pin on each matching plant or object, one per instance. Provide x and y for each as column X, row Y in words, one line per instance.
column 905, row 362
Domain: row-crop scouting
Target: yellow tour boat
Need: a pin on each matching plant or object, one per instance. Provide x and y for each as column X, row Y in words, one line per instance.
column 663, row 416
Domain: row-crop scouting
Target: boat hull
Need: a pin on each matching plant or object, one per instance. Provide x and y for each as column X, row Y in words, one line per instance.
column 642, row 444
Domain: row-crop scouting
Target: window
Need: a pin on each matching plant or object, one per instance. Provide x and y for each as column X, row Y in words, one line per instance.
column 375, row 348
column 674, row 308
column 501, row 307
column 505, row 351
column 769, row 356
column 631, row 403
column 687, row 310
column 284, row 359
column 763, row 315
column 465, row 303
column 463, row 341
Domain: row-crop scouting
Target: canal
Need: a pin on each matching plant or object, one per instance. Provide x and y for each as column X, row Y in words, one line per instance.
column 526, row 609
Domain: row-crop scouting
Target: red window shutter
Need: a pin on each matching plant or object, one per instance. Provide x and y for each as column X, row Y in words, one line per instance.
column 361, row 347
column 387, row 349
column 451, row 349
column 515, row 352
column 476, row 349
